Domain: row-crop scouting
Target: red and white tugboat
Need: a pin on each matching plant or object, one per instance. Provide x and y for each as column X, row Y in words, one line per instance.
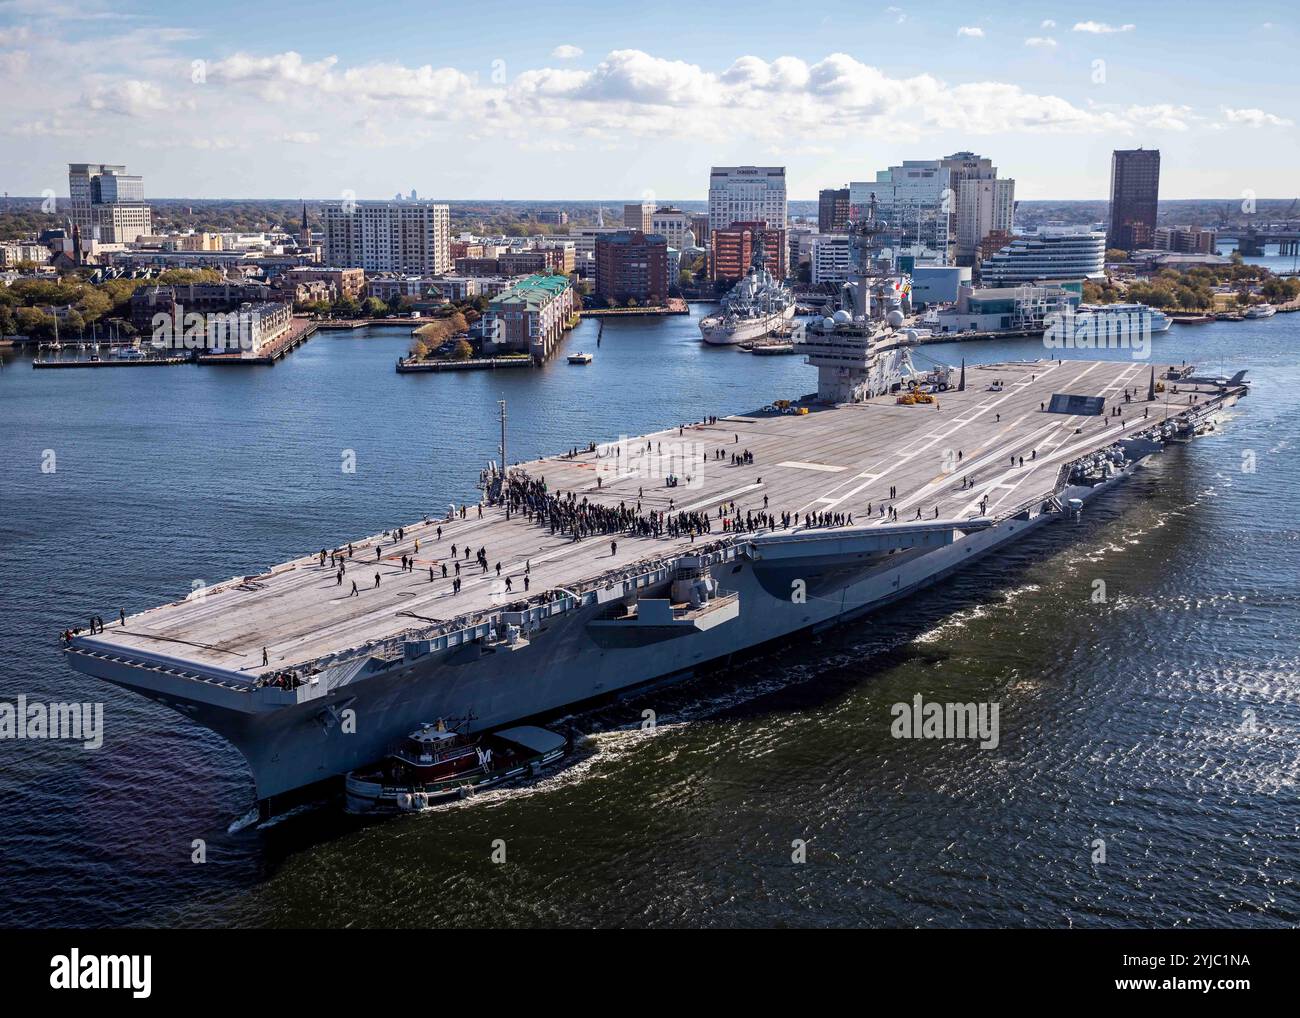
column 435, row 763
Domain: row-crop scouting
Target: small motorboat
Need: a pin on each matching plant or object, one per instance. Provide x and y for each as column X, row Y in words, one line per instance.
column 580, row 358
column 436, row 763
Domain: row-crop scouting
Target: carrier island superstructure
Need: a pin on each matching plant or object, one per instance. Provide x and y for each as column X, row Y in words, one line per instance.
column 310, row 681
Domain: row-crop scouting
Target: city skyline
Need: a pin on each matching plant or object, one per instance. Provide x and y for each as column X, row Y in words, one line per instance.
column 551, row 111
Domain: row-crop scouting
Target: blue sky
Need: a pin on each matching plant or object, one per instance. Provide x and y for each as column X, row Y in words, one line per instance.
column 619, row 100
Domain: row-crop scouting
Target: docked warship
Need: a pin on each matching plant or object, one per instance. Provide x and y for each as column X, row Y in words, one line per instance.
column 646, row 560
column 756, row 306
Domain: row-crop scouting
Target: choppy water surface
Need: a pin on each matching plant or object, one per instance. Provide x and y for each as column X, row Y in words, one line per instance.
column 1127, row 721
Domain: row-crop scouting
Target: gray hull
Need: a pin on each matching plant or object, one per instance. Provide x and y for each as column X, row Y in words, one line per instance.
column 778, row 585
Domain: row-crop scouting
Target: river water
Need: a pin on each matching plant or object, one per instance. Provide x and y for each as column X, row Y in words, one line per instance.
column 1159, row 726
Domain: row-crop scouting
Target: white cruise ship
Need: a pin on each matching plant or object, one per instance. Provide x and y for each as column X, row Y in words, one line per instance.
column 756, row 306
column 1260, row 311
column 1158, row 320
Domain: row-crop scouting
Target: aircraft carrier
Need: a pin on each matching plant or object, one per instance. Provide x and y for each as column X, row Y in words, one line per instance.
column 645, row 559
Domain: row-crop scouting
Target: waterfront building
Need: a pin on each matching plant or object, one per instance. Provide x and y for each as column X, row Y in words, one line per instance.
column 747, row 194
column 1006, row 308
column 246, row 328
column 833, row 210
column 631, row 264
column 1134, row 196
column 1053, row 253
column 733, row 249
column 938, row 284
column 531, row 315
column 388, row 236
column 638, row 216
column 1185, row 239
column 830, row 258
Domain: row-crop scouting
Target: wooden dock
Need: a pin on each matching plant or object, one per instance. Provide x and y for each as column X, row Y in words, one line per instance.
column 942, row 458
column 112, row 362
column 413, row 365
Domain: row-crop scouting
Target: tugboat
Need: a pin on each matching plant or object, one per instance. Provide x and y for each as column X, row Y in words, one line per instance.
column 435, row 763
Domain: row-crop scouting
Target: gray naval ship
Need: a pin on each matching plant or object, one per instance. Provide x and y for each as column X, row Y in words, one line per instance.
column 646, row 559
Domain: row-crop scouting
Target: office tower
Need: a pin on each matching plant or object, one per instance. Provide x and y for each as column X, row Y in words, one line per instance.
column 833, row 210
column 1134, row 194
column 107, row 204
column 747, row 194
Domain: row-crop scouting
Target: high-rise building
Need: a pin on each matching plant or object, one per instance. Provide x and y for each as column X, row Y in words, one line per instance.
column 830, row 258
column 631, row 264
column 637, row 217
column 107, row 204
column 1134, row 195
column 914, row 201
column 833, row 210
column 980, row 203
column 747, row 194
column 671, row 224
column 388, row 236
column 733, row 249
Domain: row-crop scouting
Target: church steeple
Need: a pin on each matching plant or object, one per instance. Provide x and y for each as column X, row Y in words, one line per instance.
column 304, row 232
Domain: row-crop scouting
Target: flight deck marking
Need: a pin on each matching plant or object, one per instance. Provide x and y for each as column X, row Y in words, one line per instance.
column 796, row 465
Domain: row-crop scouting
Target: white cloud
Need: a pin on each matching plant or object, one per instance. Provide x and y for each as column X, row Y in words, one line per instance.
column 566, row 52
column 14, row 36
column 1254, row 118
column 1101, row 28
column 131, row 98
column 1048, row 23
column 1041, row 42
column 899, row 15
column 972, row 32
column 300, row 137
column 1162, row 116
